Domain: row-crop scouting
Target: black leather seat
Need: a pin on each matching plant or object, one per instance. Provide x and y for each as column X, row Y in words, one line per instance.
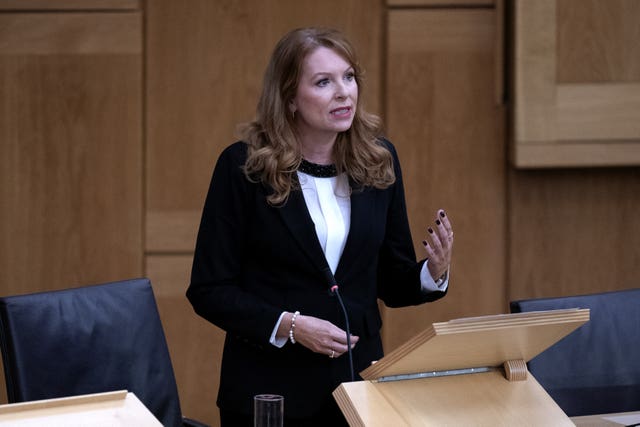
column 88, row 340
column 595, row 369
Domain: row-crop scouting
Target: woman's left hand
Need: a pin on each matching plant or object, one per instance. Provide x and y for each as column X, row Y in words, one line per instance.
column 439, row 245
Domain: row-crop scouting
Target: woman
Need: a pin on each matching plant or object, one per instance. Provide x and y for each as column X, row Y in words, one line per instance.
column 311, row 195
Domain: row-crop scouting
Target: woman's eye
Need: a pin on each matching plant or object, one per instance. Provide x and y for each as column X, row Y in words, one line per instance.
column 322, row 82
column 350, row 76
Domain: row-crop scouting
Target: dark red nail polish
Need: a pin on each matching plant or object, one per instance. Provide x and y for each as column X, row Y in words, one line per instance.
column 437, row 222
column 430, row 230
column 424, row 242
column 442, row 214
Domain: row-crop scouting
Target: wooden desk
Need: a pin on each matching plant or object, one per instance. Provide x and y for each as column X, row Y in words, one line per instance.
column 608, row 420
column 113, row 409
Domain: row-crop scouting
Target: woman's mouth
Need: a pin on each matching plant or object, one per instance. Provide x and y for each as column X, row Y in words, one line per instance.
column 341, row 112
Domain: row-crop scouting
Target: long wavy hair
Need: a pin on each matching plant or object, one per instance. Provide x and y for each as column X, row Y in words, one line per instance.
column 273, row 147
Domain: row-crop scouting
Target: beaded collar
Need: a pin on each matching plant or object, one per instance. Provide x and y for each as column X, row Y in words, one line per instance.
column 319, row 171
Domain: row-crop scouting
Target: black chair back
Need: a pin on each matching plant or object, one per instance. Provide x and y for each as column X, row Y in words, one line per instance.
column 88, row 340
column 596, row 368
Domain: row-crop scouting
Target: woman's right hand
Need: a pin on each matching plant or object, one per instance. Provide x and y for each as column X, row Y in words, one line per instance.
column 321, row 336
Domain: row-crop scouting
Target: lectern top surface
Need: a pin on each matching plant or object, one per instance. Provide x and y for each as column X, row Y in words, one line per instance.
column 478, row 342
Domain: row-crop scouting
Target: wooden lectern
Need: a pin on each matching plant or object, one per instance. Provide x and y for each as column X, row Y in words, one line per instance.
column 465, row 372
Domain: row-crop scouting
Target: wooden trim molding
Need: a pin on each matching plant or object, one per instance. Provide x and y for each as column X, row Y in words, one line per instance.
column 66, row 5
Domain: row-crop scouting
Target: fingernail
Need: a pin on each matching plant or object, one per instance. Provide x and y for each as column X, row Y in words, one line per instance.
column 430, row 230
column 424, row 242
column 437, row 222
column 442, row 214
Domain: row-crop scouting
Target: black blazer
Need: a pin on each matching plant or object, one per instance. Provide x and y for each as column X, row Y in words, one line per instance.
column 253, row 261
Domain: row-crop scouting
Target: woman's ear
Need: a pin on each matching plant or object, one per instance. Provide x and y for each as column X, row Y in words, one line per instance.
column 292, row 109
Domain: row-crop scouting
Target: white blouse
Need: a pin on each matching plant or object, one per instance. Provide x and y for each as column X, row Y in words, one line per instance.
column 329, row 205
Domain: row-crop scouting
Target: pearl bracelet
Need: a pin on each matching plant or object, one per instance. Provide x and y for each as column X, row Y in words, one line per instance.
column 293, row 327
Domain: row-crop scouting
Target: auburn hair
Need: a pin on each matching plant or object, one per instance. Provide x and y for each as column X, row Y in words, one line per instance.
column 273, row 147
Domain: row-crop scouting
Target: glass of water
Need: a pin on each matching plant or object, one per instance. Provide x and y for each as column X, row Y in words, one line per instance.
column 268, row 410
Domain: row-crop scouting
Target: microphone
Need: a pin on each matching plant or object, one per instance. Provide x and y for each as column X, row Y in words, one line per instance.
column 335, row 291
column 331, row 280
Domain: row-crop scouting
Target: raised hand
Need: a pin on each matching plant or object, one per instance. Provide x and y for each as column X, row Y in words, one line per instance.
column 438, row 245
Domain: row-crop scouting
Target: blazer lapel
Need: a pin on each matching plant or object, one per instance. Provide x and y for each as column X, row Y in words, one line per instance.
column 361, row 205
column 297, row 219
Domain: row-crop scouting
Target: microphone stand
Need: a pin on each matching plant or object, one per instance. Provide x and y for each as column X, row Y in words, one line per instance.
column 333, row 291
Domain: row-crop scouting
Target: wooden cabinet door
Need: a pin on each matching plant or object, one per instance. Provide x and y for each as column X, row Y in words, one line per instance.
column 576, row 66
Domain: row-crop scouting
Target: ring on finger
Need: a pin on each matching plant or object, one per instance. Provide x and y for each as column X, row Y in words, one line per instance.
column 333, row 353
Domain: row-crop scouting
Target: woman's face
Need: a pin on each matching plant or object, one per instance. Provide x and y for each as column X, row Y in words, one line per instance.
column 326, row 98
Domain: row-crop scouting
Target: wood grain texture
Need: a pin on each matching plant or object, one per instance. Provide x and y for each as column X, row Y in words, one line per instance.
column 597, row 41
column 71, row 174
column 439, row 3
column 71, row 33
column 577, row 154
column 115, row 409
column 573, row 232
column 68, row 5
column 171, row 231
column 500, row 55
column 534, row 71
column 442, row 117
column 482, row 400
column 575, row 83
column 588, row 112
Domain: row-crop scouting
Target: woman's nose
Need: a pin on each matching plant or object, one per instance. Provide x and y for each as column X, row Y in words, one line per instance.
column 341, row 91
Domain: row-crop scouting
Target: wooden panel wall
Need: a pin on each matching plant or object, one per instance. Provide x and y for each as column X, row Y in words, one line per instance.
column 70, row 149
column 573, row 232
column 442, row 116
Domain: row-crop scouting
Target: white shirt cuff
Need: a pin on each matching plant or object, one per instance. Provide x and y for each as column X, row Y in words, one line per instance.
column 430, row 285
column 278, row 342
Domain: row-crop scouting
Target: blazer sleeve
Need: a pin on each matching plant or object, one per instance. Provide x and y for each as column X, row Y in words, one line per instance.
column 216, row 291
column 398, row 272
